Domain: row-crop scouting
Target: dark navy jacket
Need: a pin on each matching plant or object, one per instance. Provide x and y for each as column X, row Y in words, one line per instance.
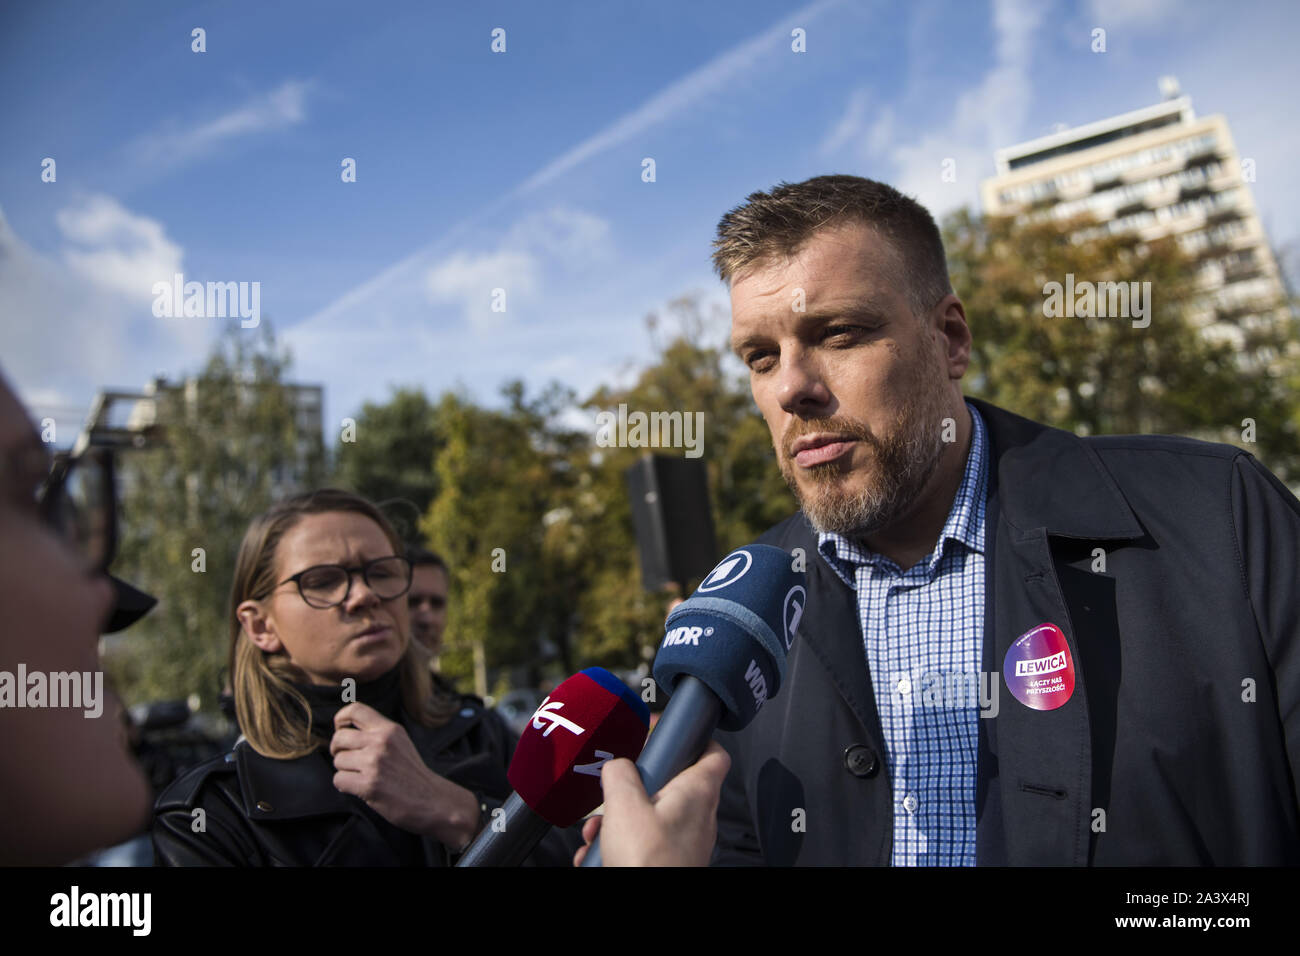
column 1184, row 724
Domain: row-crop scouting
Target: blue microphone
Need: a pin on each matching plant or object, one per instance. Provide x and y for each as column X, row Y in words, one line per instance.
column 722, row 658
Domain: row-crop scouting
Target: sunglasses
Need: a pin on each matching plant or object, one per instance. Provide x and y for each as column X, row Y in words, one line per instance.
column 78, row 500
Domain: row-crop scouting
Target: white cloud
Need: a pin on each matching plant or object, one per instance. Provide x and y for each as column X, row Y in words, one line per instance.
column 567, row 312
column 73, row 321
column 558, row 239
column 569, row 235
column 472, row 280
column 275, row 109
column 116, row 248
column 985, row 117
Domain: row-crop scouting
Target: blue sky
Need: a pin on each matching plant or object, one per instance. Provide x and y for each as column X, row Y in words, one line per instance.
column 519, row 170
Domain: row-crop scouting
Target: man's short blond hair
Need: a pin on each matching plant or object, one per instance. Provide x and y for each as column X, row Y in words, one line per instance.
column 775, row 225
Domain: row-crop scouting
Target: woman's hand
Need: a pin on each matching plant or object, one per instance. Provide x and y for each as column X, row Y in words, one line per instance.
column 377, row 762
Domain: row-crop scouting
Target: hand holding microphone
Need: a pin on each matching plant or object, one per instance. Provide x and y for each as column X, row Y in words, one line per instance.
column 676, row 827
column 721, row 660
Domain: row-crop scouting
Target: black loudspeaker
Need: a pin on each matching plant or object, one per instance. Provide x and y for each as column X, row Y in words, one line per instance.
column 673, row 520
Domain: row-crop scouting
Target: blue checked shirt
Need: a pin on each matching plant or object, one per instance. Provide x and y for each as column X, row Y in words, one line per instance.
column 922, row 631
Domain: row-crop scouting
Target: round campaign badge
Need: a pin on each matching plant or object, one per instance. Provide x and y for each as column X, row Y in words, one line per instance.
column 1038, row 668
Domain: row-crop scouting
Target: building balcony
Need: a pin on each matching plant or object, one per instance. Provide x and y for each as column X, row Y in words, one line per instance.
column 1204, row 155
column 1219, row 216
column 1189, row 193
column 1240, row 271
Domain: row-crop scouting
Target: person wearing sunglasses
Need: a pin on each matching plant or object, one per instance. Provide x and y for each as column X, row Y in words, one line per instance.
column 347, row 756
column 69, row 785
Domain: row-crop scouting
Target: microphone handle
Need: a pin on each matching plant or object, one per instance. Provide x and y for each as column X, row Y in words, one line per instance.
column 679, row 738
column 513, row 839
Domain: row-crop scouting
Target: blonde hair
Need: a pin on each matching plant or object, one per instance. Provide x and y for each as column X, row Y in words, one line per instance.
column 777, row 224
column 273, row 715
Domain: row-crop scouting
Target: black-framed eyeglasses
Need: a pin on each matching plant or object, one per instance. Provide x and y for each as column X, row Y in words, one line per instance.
column 78, row 500
column 328, row 585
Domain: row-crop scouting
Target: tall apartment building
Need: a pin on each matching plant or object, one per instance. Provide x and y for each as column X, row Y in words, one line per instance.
column 1157, row 171
column 126, row 419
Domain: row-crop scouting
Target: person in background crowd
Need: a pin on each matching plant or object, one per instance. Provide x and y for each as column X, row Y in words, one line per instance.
column 427, row 601
column 348, row 755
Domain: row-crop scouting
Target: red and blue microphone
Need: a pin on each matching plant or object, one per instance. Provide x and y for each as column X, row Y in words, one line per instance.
column 590, row 718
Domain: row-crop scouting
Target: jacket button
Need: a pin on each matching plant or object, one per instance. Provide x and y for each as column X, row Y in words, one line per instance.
column 264, row 806
column 861, row 761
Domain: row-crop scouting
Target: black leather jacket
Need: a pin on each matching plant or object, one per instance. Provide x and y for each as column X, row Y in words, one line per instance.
column 260, row 811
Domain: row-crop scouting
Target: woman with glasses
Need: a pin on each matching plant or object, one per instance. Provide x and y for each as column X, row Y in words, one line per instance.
column 348, row 755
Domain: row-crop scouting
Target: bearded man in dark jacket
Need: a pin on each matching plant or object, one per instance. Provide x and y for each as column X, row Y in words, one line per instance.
column 1019, row 646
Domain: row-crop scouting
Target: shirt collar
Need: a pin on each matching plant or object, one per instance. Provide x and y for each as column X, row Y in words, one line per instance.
column 965, row 522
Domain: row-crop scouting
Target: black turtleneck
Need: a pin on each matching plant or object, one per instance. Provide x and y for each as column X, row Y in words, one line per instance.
column 384, row 694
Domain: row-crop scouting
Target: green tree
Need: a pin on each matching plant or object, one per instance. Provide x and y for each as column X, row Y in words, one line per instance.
column 501, row 473
column 688, row 374
column 232, row 442
column 392, row 457
column 1103, row 375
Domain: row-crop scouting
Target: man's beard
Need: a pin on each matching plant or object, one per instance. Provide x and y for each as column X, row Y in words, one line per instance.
column 898, row 468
